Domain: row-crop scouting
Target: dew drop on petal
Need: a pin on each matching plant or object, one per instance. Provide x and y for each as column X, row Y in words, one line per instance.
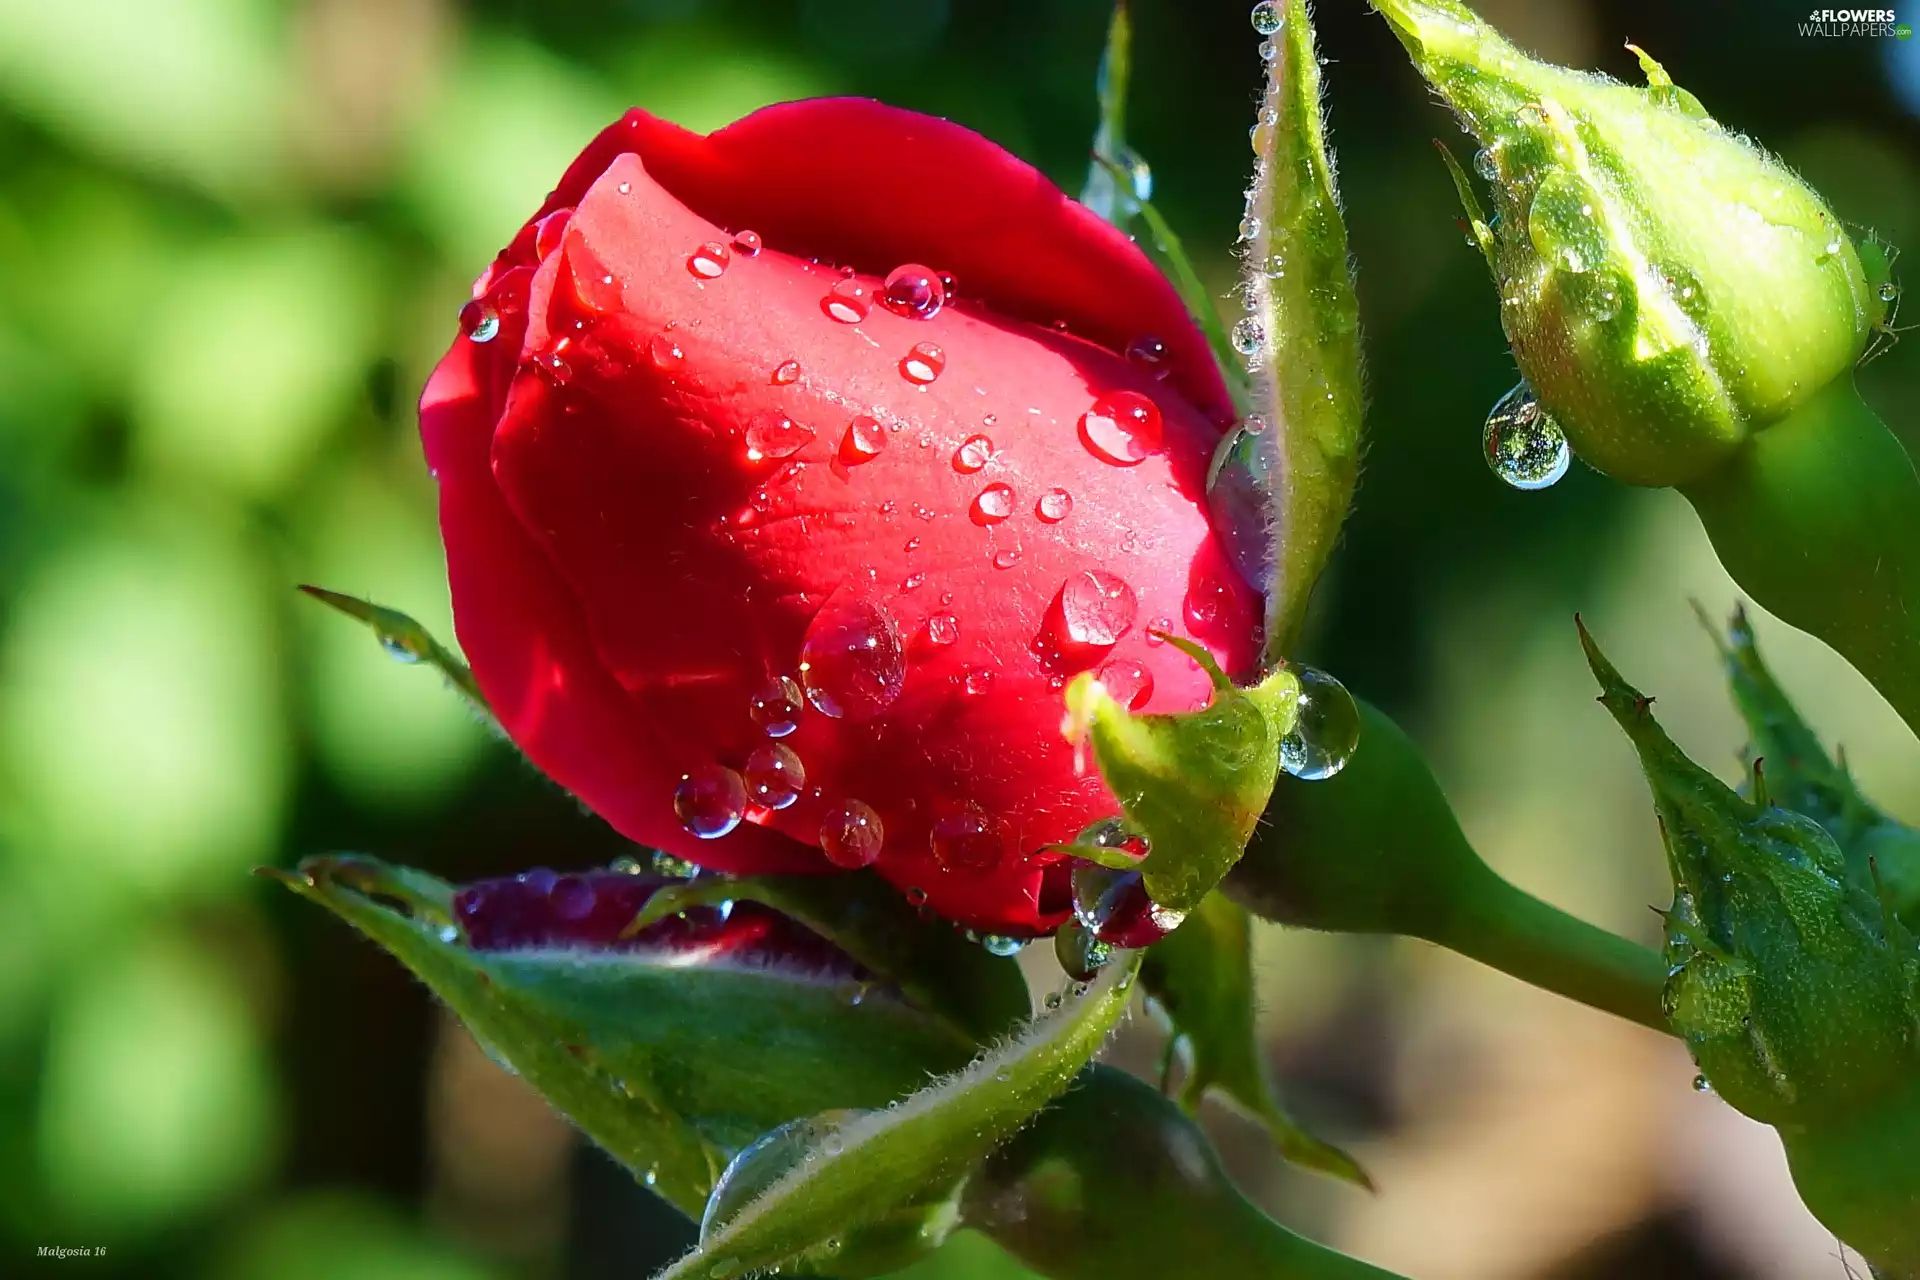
column 555, row 366
column 923, row 364
column 849, row 301
column 786, row 373
column 1054, row 506
column 966, row 839
column 977, row 683
column 777, row 707
column 992, row 504
column 1098, row 606
column 914, row 291
column 746, row 243
column 480, row 322
column 1122, row 427
column 851, row 835
column 1158, row 629
column 775, row 435
column 974, row 453
column 708, row 261
column 942, row 630
column 1326, row 728
column 710, row 801
column 864, row 440
column 548, row 232
column 1128, row 682
column 665, row 352
column 852, row 662
column 774, row 776
column 1266, row 17
column 1523, row 444
column 1006, row 558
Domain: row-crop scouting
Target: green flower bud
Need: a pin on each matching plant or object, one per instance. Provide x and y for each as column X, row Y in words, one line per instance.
column 1797, row 990
column 1669, row 288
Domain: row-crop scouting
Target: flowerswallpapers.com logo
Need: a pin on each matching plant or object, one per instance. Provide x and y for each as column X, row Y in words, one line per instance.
column 1881, row 23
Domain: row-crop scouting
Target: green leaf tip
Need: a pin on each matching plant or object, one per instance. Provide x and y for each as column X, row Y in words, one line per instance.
column 1669, row 288
column 1284, row 481
column 406, row 641
column 861, row 1171
column 1200, row 977
column 663, row 1063
column 1797, row 990
column 1193, row 783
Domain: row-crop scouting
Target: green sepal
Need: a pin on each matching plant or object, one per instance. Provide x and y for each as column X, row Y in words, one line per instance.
column 866, row 1169
column 1201, row 977
column 1883, row 854
column 1193, row 783
column 1377, row 849
column 1669, row 289
column 407, row 641
column 1797, row 991
column 667, row 1065
column 927, row 961
column 1115, row 1182
column 1297, row 284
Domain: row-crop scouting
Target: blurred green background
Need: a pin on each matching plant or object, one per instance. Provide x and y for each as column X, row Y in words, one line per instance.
column 233, row 238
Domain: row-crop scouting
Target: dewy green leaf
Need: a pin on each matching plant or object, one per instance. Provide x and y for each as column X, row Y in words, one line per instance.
column 1377, row 849
column 861, row 1171
column 1799, row 775
column 407, row 641
column 1114, row 1182
column 982, row 994
column 1201, row 977
column 668, row 1063
column 1285, row 479
column 1193, row 783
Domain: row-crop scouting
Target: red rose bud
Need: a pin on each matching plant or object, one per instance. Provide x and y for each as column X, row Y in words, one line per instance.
column 788, row 473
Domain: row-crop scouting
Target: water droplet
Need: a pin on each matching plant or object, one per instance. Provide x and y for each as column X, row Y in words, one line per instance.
column 1129, row 683
column 1147, row 352
column 1267, row 17
column 852, row 663
column 913, row 581
column 1113, row 906
column 923, row 364
column 1563, row 225
column 1098, row 607
column 1054, row 506
column 974, row 453
column 992, row 504
column 851, row 835
column 966, row 839
column 1269, row 51
column 1080, row 953
column 1006, row 558
column 863, row 442
column 996, row 944
column 664, row 351
column 708, row 261
column 1702, row 1085
column 942, row 630
column 1122, row 427
column 848, row 301
column 548, row 231
column 1486, row 163
column 774, row 775
column 554, row 365
column 1249, row 227
column 776, row 708
column 977, row 683
column 765, row 1161
column 710, row 801
column 1326, row 728
column 1524, row 445
column 914, row 291
column 786, row 373
column 1240, row 499
column 775, row 435
column 1888, row 292
column 480, row 322
column 746, row 243
column 1158, row 630
column 1248, row 335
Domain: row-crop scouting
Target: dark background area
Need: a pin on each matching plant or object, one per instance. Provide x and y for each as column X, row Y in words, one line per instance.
column 233, row 238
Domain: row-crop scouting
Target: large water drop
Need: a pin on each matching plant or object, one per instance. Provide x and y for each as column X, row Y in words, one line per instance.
column 710, row 801
column 1326, row 728
column 852, row 662
column 1524, row 445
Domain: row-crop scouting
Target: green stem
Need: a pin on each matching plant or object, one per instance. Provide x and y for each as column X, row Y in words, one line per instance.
column 1862, row 1180
column 1506, row 928
column 1818, row 519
